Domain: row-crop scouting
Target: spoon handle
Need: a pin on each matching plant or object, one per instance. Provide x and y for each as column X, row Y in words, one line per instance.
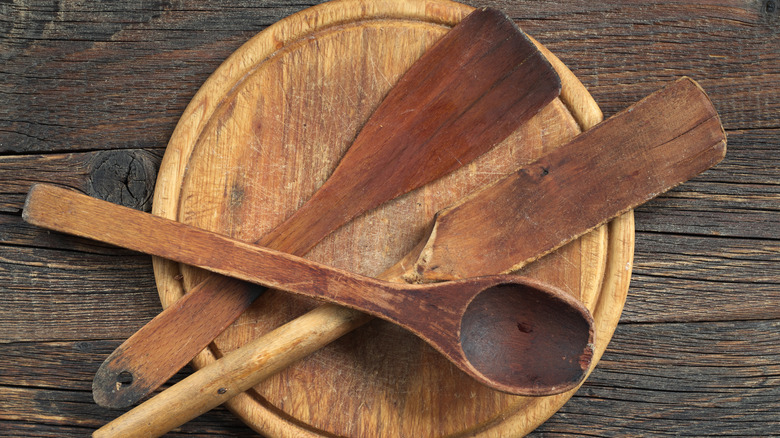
column 70, row 212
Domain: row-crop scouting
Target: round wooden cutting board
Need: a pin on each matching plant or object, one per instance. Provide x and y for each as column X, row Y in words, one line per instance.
column 265, row 131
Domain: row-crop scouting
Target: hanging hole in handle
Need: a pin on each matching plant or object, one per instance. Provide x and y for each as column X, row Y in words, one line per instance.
column 124, row 378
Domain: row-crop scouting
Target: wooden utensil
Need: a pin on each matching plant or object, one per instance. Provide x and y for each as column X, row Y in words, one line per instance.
column 515, row 335
column 462, row 97
column 686, row 139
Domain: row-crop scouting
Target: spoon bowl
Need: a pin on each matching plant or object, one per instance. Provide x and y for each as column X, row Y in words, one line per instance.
column 522, row 335
column 512, row 333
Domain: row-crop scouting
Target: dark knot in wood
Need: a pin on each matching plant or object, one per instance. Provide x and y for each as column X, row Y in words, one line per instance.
column 123, row 177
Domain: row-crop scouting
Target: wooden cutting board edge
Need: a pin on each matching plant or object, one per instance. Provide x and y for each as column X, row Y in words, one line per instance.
column 608, row 303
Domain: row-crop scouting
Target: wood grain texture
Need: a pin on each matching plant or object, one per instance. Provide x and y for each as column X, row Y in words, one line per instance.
column 120, row 176
column 98, row 76
column 45, row 392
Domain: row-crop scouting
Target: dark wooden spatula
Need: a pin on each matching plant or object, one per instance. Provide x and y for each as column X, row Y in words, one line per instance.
column 477, row 85
column 472, row 322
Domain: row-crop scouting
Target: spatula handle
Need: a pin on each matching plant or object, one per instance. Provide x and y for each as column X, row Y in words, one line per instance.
column 234, row 373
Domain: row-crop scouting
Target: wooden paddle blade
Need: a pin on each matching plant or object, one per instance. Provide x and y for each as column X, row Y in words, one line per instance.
column 478, row 84
column 473, row 88
column 663, row 140
column 147, row 359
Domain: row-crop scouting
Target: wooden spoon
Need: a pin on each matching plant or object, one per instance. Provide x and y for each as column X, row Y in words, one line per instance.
column 665, row 139
column 462, row 97
column 513, row 334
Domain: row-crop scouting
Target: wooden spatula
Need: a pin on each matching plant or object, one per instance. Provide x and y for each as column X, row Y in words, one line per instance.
column 478, row 84
column 663, row 140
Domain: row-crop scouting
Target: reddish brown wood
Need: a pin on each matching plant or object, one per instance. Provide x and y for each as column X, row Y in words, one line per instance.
column 461, row 98
column 513, row 334
column 654, row 145
column 465, row 95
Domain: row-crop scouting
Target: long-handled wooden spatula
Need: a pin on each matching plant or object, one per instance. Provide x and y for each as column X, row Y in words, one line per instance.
column 663, row 140
column 478, row 84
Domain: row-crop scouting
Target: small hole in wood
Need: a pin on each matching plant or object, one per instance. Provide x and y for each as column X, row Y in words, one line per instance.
column 770, row 6
column 124, row 378
column 524, row 327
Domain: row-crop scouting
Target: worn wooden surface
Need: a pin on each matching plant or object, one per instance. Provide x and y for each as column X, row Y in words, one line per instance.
column 91, row 93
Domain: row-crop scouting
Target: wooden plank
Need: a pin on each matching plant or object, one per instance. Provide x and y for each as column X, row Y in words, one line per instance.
column 698, row 278
column 67, row 295
column 131, row 70
column 654, row 379
column 700, row 379
column 751, row 159
column 714, row 209
column 45, row 390
column 62, row 365
column 642, row 44
column 38, row 412
column 738, row 198
column 123, row 177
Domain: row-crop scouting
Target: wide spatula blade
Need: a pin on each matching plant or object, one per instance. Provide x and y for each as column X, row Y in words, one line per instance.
column 661, row 141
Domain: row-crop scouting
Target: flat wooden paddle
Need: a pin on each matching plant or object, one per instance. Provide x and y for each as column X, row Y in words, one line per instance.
column 663, row 140
column 477, row 85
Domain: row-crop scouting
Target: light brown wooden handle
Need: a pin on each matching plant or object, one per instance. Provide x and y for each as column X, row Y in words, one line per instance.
column 235, row 372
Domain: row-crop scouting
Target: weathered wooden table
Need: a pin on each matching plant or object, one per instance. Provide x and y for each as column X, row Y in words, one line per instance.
column 90, row 93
